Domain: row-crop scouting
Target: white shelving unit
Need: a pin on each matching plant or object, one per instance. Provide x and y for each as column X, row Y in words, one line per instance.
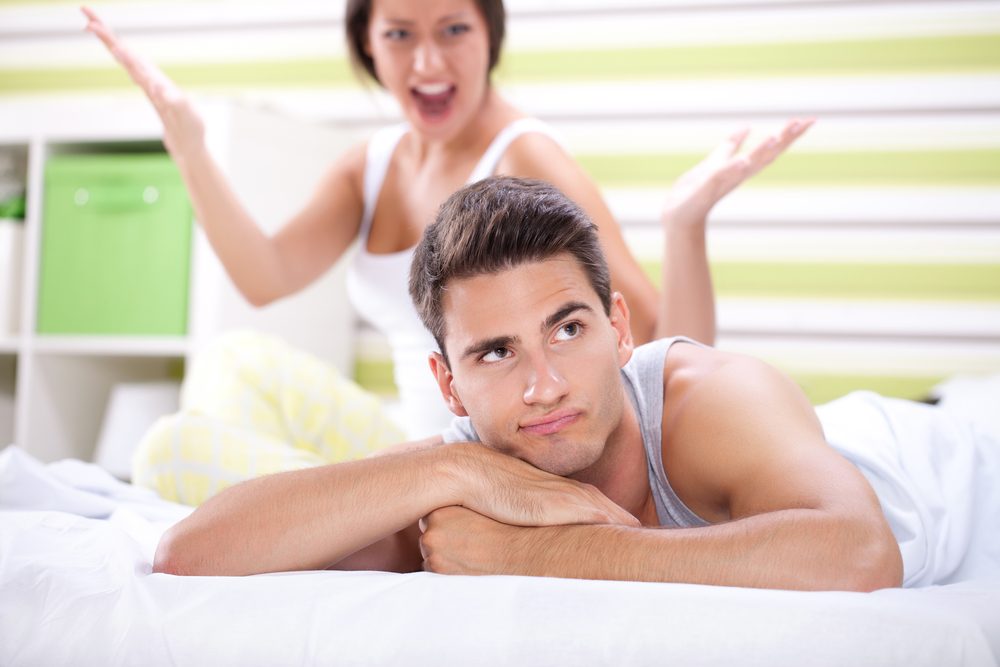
column 54, row 389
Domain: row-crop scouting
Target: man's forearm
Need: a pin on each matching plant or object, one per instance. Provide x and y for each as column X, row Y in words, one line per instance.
column 798, row 549
column 317, row 517
column 307, row 519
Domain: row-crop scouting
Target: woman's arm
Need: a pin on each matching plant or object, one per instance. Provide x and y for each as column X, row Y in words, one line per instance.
column 687, row 297
column 264, row 268
column 686, row 304
column 538, row 156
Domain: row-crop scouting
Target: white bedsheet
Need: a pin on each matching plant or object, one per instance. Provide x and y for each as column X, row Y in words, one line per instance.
column 76, row 589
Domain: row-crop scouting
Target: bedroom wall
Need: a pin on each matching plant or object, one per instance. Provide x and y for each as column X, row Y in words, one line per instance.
column 868, row 258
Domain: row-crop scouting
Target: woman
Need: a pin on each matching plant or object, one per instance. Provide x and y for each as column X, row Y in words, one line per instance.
column 435, row 58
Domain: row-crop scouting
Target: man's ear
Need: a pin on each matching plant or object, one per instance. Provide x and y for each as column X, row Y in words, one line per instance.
column 620, row 321
column 439, row 367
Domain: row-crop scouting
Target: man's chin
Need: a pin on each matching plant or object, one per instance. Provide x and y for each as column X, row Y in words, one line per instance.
column 558, row 455
column 563, row 470
column 579, row 459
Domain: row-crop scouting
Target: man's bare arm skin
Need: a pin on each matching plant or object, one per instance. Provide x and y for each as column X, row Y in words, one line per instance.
column 793, row 513
column 362, row 514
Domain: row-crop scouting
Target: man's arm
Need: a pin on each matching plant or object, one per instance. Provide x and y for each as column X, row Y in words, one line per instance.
column 794, row 514
column 790, row 549
column 360, row 514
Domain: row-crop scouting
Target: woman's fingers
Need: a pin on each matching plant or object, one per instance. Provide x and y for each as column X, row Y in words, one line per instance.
column 98, row 28
column 768, row 150
column 153, row 82
column 134, row 65
column 735, row 140
column 183, row 129
column 730, row 147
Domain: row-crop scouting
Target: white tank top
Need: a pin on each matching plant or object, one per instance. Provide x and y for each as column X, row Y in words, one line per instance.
column 377, row 284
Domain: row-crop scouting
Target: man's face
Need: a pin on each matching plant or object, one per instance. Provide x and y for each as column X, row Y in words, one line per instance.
column 535, row 362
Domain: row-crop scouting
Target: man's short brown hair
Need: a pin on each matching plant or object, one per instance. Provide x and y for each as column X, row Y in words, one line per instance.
column 494, row 225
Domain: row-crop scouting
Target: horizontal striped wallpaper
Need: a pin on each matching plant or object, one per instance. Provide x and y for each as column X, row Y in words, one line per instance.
column 869, row 257
column 919, row 55
column 974, row 283
column 832, row 169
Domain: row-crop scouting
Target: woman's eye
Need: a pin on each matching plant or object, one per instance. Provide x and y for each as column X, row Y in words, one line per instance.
column 568, row 331
column 396, row 34
column 456, row 29
column 499, row 354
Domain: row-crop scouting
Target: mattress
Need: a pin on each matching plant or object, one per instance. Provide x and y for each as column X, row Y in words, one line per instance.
column 77, row 589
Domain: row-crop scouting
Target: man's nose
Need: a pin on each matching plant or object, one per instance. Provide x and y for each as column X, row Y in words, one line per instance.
column 546, row 384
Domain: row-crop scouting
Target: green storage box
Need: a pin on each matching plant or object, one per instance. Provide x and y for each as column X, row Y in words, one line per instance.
column 116, row 246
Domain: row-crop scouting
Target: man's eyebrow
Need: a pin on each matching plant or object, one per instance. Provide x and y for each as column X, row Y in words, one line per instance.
column 566, row 310
column 488, row 345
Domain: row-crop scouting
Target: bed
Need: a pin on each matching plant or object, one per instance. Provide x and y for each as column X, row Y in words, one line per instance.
column 76, row 547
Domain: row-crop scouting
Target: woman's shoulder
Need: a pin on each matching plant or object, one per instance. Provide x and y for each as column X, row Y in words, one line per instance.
column 349, row 164
column 535, row 152
column 352, row 163
column 534, row 141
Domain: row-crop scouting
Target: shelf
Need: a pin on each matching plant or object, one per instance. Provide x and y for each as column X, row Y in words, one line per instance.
column 8, row 382
column 54, row 388
column 68, row 395
column 114, row 346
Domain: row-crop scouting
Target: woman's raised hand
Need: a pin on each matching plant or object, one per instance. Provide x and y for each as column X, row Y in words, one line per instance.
column 183, row 129
column 699, row 189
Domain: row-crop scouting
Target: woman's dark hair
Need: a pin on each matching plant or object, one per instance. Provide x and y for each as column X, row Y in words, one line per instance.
column 359, row 13
column 498, row 224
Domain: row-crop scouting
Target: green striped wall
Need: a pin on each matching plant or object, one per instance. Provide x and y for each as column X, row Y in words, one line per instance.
column 869, row 168
column 969, row 53
column 822, row 388
column 975, row 282
column 932, row 60
column 915, row 55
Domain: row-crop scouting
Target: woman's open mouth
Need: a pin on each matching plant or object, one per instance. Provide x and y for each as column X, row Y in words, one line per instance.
column 433, row 100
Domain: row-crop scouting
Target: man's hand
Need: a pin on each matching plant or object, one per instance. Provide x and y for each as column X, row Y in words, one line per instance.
column 511, row 491
column 455, row 540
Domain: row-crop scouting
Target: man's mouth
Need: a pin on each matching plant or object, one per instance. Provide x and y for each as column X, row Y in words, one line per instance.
column 551, row 423
column 433, row 99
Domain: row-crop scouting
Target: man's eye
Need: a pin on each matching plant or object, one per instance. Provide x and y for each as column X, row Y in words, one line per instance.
column 568, row 331
column 498, row 354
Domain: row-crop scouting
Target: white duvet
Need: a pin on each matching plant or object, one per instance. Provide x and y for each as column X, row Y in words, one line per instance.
column 76, row 589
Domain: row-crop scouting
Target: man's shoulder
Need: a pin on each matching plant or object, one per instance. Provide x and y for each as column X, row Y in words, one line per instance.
column 650, row 356
column 708, row 387
column 715, row 378
column 719, row 409
column 684, row 363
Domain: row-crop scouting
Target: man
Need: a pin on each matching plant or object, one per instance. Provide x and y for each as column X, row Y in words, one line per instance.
column 575, row 455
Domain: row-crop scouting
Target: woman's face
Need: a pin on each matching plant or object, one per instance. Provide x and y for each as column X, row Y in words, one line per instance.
column 433, row 56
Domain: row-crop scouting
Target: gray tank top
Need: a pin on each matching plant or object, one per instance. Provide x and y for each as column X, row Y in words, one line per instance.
column 643, row 380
